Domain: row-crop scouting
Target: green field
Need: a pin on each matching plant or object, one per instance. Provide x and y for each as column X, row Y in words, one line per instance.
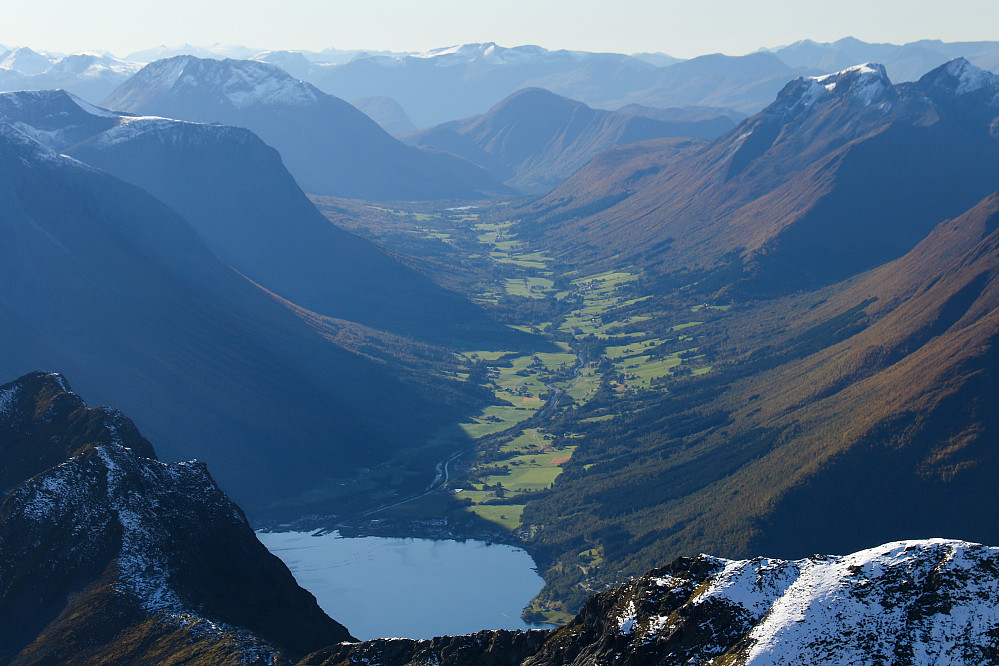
column 506, row 516
column 531, row 471
column 530, row 287
column 497, row 418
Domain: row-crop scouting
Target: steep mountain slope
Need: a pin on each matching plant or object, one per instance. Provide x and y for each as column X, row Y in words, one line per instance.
column 328, row 145
column 856, row 414
column 240, row 199
column 535, row 139
column 840, row 173
column 908, row 602
column 107, row 282
column 107, row 554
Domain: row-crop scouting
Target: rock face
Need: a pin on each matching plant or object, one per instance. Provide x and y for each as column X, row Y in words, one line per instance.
column 909, row 602
column 108, row 555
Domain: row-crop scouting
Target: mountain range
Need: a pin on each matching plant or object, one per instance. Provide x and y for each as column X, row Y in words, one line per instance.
column 535, row 139
column 828, row 266
column 840, row 411
column 88, row 75
column 460, row 81
column 329, row 146
column 801, row 194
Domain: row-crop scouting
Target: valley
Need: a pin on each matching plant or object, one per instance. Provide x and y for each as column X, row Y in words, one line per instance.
column 661, row 355
column 613, row 348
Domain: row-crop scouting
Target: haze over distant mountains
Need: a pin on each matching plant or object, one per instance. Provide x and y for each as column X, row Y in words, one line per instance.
column 328, row 145
column 90, row 76
column 535, row 139
column 236, row 193
column 461, row 81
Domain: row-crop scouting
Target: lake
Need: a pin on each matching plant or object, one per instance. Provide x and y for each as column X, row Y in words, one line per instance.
column 410, row 588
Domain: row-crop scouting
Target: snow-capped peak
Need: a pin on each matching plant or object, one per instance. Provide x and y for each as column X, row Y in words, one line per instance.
column 25, row 61
column 865, row 85
column 488, row 52
column 932, row 601
column 868, row 82
column 970, row 79
column 244, row 83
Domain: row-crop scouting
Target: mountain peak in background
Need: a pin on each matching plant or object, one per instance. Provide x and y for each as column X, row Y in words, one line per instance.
column 535, row 139
column 328, row 145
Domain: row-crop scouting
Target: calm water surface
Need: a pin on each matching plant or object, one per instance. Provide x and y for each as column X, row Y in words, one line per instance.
column 411, row 588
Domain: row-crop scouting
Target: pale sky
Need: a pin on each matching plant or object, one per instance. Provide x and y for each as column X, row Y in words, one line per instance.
column 680, row 28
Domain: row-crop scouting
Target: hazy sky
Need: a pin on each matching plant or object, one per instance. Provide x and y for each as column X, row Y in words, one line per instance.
column 684, row 29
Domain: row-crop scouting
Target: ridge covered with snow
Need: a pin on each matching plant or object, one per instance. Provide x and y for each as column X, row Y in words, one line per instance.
column 244, row 83
column 927, row 601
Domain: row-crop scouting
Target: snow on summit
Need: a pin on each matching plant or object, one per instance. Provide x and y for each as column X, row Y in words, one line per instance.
column 244, row 83
column 921, row 602
column 252, row 83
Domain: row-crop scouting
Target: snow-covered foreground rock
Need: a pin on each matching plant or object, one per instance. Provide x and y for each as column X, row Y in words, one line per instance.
column 933, row 601
column 110, row 555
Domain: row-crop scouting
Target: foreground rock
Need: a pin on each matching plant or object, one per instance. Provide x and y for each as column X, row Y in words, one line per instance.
column 110, row 556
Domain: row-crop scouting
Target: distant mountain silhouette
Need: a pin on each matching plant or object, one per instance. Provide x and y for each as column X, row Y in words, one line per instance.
column 535, row 139
column 86, row 75
column 386, row 112
column 328, row 145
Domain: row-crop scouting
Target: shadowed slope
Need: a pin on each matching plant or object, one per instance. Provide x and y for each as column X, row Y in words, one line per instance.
column 107, row 282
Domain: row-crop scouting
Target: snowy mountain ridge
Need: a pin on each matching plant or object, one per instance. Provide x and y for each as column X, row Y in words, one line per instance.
column 244, row 83
column 88, row 75
column 930, row 601
column 42, row 116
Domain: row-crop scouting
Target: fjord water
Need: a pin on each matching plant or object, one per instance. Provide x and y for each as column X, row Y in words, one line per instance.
column 410, row 588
